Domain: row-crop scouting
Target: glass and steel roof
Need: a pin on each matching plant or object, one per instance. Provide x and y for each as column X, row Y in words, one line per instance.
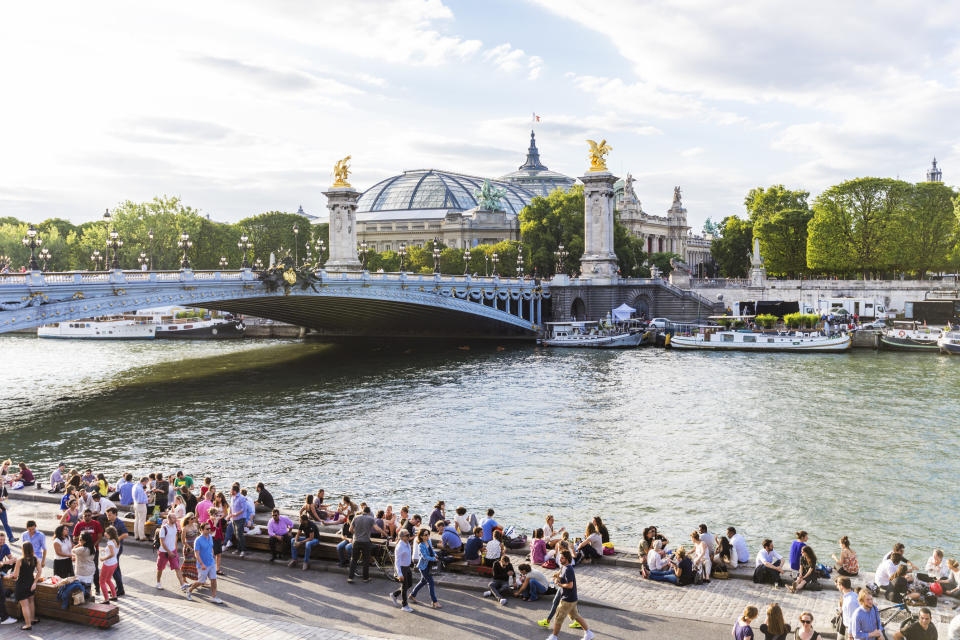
column 433, row 189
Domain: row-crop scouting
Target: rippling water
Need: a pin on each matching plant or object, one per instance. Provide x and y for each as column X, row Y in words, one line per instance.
column 864, row 444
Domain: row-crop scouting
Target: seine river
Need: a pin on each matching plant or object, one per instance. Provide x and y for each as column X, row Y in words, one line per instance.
column 865, row 444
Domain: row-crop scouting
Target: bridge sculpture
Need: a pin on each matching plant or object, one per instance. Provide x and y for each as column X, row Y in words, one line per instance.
column 355, row 303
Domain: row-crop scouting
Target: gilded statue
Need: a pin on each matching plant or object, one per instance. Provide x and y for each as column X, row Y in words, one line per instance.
column 598, row 153
column 340, row 171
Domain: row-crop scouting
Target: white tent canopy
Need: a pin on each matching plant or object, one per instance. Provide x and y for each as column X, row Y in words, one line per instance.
column 623, row 312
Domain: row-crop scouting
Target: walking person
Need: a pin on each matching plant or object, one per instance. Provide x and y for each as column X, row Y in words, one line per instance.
column 62, row 558
column 140, row 499
column 167, row 553
column 423, row 566
column 567, row 581
column 110, row 564
column 26, row 574
column 866, row 619
column 206, row 564
column 362, row 526
column 122, row 534
column 3, row 513
column 401, row 565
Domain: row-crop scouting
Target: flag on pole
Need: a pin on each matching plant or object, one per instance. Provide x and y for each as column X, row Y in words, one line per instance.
column 536, row 118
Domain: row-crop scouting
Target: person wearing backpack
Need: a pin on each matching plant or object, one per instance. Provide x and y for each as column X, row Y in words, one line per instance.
column 165, row 542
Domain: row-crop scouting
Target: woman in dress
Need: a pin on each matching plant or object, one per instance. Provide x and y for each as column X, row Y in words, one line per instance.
column 27, row 573
column 427, row 556
column 83, row 554
column 62, row 546
column 221, row 505
column 774, row 628
column 179, row 507
column 701, row 556
column 807, row 575
column 847, row 563
column 188, row 533
column 109, row 565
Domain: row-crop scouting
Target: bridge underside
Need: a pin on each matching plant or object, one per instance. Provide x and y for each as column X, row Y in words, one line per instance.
column 360, row 317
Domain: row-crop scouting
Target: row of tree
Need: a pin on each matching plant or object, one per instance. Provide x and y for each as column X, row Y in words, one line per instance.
column 867, row 227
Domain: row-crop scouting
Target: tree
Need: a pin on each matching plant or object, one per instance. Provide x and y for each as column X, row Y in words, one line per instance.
column 762, row 203
column 548, row 222
column 731, row 251
column 852, row 226
column 783, row 240
column 923, row 231
column 272, row 232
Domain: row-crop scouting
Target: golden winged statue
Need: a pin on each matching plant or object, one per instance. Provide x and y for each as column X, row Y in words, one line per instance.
column 340, row 172
column 597, row 155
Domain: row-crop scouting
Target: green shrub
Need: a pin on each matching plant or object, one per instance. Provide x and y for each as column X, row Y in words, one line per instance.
column 801, row 320
column 766, row 320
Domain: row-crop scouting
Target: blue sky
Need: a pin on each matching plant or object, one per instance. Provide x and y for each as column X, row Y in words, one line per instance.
column 240, row 107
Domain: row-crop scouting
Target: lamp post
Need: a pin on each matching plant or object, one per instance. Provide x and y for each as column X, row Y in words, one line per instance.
column 486, row 265
column 244, row 246
column 44, row 255
column 258, row 264
column 106, row 255
column 31, row 240
column 363, row 255
column 520, row 261
column 96, row 258
column 296, row 245
column 150, row 263
column 466, row 261
column 142, row 260
column 561, row 255
column 223, row 262
column 184, row 243
column 402, row 252
column 495, row 259
column 436, row 255
column 115, row 243
column 320, row 245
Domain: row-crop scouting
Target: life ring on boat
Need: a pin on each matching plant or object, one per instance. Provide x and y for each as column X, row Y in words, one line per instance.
column 902, row 333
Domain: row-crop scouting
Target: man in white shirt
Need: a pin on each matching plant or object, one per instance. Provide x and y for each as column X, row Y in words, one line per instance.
column 167, row 553
column 885, row 572
column 100, row 504
column 740, row 544
column 402, row 566
column 936, row 568
column 953, row 633
column 709, row 539
column 848, row 604
column 769, row 565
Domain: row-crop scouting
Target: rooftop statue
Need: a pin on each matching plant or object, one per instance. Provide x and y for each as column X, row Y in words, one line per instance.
column 676, row 195
column 340, row 172
column 597, row 155
column 489, row 197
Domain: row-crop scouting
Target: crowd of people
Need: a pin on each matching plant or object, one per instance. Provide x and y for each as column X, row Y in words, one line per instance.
column 196, row 523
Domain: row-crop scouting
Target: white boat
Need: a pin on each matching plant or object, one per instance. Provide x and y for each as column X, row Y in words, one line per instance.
column 591, row 335
column 100, row 329
column 192, row 327
column 720, row 339
column 949, row 343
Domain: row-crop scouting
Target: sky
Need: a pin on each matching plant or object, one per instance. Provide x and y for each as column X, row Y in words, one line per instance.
column 242, row 107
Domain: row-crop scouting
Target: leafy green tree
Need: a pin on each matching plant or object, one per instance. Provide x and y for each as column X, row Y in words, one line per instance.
column 731, row 250
column 548, row 222
column 853, row 225
column 272, row 232
column 762, row 203
column 783, row 240
column 923, row 231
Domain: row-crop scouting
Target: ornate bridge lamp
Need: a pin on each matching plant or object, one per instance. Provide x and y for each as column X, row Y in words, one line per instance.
column 44, row 255
column 33, row 241
column 150, row 263
column 520, row 261
column 436, row 255
column 561, row 255
column 258, row 264
column 362, row 251
column 106, row 256
column 223, row 262
column 320, row 246
column 296, row 244
column 244, row 247
column 495, row 259
column 402, row 252
column 115, row 243
column 96, row 259
column 466, row 261
column 142, row 260
column 184, row 243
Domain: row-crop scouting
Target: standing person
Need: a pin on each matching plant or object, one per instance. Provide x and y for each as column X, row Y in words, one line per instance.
column 96, row 530
column 3, row 513
column 362, row 526
column 140, row 500
column 161, row 492
column 122, row 534
column 189, row 531
column 83, row 554
column 401, row 565
column 795, row 547
column 217, row 528
column 806, row 631
column 866, row 619
column 167, row 553
column 307, row 537
column 742, row 629
column 775, row 628
column 279, row 529
column 110, row 564
column 27, row 573
column 848, row 604
column 62, row 558
column 739, row 544
column 567, row 581
column 206, row 564
column 203, row 507
column 38, row 540
column 125, row 490
column 240, row 514
column 423, row 566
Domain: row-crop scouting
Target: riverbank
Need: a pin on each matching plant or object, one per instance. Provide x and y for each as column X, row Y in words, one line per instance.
column 612, row 584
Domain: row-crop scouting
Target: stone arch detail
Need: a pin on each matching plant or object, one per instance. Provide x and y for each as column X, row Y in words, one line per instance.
column 578, row 309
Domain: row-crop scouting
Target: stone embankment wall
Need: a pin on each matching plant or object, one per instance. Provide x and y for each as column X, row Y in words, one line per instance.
column 651, row 297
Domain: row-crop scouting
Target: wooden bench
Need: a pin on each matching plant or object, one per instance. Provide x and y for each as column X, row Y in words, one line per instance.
column 89, row 614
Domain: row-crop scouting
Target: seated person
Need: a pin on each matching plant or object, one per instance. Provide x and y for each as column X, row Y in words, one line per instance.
column 886, row 571
column 951, row 587
column 450, row 541
column 847, row 563
column 807, row 576
column 936, row 569
column 532, row 583
column 389, row 521
column 591, row 547
column 7, row 561
column 725, row 555
column 769, row 565
column 465, row 524
column 488, row 524
column 439, row 513
column 550, row 534
column 683, row 567
column 660, row 566
column 538, row 547
column 905, row 588
column 494, row 548
column 473, row 546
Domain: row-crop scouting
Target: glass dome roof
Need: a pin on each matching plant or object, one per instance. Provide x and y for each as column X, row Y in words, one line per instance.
column 432, row 189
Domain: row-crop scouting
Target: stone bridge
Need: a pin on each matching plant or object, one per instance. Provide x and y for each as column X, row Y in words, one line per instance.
column 348, row 303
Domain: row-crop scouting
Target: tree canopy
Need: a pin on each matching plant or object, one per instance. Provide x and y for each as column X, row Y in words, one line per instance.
column 731, row 250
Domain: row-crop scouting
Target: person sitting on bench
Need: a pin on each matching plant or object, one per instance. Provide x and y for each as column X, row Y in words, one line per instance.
column 450, row 542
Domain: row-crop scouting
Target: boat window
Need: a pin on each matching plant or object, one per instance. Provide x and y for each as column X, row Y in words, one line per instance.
column 727, row 337
column 769, row 339
column 188, row 326
column 749, row 338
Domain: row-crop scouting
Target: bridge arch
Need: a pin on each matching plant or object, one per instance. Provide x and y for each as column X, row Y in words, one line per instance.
column 578, row 309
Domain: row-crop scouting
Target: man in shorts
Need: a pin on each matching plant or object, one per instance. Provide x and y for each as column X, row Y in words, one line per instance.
column 206, row 565
column 567, row 581
column 167, row 553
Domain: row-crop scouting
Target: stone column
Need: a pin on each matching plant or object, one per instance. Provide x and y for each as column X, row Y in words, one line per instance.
column 599, row 262
column 342, row 203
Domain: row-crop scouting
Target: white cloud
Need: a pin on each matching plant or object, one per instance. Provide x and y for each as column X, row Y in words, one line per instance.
column 506, row 58
column 692, row 152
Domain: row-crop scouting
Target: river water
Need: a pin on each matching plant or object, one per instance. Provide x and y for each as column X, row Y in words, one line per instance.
column 865, row 444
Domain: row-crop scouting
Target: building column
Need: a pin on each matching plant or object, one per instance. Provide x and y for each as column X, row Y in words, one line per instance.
column 342, row 203
column 599, row 262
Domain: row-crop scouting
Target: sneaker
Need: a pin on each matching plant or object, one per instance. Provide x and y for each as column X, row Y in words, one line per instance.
column 292, row 563
column 350, row 579
column 216, row 600
column 189, row 596
column 543, row 623
column 575, row 625
column 396, row 602
column 367, row 579
column 159, row 586
column 503, row 601
column 306, row 565
column 588, row 635
column 228, row 545
column 552, row 637
column 407, row 609
column 487, row 594
column 184, row 586
column 242, row 554
column 14, row 620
